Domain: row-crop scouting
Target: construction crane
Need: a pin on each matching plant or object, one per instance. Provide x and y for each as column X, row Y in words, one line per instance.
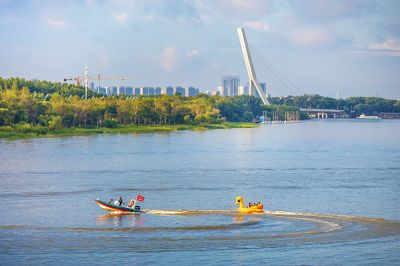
column 78, row 80
column 86, row 79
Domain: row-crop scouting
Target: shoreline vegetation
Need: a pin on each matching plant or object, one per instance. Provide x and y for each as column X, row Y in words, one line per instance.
column 34, row 108
column 27, row 132
column 41, row 108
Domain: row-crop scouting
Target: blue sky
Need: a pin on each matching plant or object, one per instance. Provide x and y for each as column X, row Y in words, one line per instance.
column 317, row 46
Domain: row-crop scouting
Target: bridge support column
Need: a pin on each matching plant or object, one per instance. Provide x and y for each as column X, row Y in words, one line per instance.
column 254, row 85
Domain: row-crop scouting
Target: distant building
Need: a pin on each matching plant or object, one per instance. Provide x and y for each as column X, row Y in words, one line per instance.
column 129, row 91
column 169, row 90
column 148, row 91
column 192, row 91
column 230, row 85
column 263, row 88
column 102, row 90
column 157, row 91
column 144, row 91
column 243, row 90
column 137, row 91
column 151, row 90
column 180, row 90
column 92, row 86
column 121, row 90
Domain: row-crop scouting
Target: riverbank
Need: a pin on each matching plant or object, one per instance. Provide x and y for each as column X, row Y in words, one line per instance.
column 25, row 132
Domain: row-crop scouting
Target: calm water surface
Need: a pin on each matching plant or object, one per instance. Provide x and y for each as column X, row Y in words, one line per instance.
column 330, row 189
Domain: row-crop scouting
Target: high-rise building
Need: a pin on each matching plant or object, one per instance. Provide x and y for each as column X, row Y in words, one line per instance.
column 230, row 85
column 102, row 90
column 129, row 91
column 111, row 91
column 180, row 90
column 243, row 90
column 114, row 91
column 169, row 90
column 137, row 91
column 192, row 91
column 157, row 91
column 263, row 88
column 144, row 91
column 121, row 90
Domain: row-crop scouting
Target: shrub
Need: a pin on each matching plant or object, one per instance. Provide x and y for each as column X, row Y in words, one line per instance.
column 55, row 123
column 110, row 123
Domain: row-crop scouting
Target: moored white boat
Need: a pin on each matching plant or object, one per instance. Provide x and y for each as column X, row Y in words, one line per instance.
column 363, row 116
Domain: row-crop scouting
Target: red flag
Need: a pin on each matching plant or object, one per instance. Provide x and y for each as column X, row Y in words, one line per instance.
column 140, row 198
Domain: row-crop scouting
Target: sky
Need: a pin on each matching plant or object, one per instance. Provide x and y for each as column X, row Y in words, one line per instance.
column 349, row 47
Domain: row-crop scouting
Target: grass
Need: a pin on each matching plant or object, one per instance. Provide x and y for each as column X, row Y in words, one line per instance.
column 29, row 131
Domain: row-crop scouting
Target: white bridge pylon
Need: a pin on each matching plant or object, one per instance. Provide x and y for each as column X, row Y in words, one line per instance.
column 254, row 85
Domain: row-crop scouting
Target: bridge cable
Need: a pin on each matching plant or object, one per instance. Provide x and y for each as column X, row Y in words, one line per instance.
column 277, row 74
column 282, row 78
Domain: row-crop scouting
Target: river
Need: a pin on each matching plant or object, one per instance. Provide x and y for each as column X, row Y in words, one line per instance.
column 330, row 190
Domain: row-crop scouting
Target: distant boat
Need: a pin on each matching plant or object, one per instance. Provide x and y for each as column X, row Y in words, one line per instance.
column 363, row 116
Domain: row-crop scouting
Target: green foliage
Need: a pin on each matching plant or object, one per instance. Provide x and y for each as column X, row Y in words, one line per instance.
column 110, row 123
column 34, row 106
column 55, row 123
column 240, row 108
column 352, row 105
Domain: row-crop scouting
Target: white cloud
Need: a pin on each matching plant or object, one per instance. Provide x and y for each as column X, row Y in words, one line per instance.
column 90, row 3
column 257, row 6
column 310, row 36
column 192, row 53
column 120, row 17
column 148, row 17
column 215, row 65
column 258, row 25
column 56, row 23
column 389, row 47
column 169, row 58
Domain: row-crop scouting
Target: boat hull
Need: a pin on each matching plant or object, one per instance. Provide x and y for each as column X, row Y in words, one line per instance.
column 113, row 208
column 253, row 209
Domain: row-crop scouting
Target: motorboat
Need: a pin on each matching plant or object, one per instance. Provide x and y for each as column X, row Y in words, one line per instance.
column 112, row 207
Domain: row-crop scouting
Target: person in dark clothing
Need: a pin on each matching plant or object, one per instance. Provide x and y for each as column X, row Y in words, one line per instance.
column 120, row 201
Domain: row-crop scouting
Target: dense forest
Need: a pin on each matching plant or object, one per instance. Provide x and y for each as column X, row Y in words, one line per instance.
column 51, row 106
column 60, row 105
column 353, row 105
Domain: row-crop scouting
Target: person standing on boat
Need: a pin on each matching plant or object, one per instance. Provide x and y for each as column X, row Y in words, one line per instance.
column 120, row 201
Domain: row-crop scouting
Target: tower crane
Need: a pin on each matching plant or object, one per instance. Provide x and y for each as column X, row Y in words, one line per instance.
column 98, row 78
column 78, row 80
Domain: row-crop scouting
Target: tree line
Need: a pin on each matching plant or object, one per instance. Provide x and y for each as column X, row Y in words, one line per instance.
column 352, row 105
column 60, row 105
column 54, row 105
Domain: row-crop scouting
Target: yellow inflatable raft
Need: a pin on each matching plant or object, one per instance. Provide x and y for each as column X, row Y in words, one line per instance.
column 253, row 208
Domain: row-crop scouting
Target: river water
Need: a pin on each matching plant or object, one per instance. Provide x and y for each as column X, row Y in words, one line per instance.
column 330, row 190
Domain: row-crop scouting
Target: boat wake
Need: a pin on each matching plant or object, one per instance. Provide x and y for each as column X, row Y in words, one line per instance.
column 326, row 226
column 221, row 228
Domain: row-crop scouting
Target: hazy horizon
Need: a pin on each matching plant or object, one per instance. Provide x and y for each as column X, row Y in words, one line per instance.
column 322, row 47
